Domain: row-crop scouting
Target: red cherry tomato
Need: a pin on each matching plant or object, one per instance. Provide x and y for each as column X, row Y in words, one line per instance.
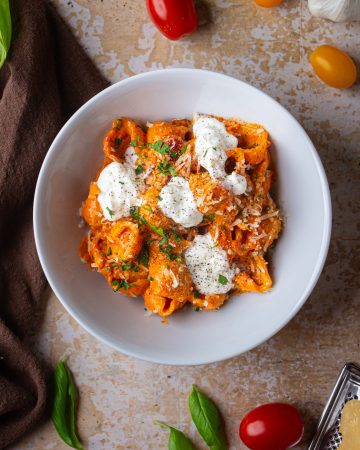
column 274, row 426
column 173, row 18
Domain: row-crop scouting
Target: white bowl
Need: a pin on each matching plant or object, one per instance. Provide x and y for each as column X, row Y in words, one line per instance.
column 191, row 337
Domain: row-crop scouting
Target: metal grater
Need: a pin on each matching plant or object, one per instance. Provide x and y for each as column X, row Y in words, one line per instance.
column 347, row 387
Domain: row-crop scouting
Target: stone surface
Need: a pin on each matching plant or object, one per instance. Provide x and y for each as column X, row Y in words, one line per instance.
column 121, row 396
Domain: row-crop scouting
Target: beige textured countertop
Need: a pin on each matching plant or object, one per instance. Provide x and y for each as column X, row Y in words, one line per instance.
column 121, row 396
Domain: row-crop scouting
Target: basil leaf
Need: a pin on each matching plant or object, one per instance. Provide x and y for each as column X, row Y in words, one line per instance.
column 64, row 403
column 71, row 410
column 207, row 420
column 177, row 439
column 5, row 30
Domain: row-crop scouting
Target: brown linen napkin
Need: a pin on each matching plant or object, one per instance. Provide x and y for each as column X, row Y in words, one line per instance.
column 46, row 78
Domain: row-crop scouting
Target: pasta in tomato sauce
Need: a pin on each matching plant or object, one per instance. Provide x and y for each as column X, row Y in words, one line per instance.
column 180, row 212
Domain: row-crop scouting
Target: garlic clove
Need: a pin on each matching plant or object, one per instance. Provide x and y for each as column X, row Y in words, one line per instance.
column 335, row 10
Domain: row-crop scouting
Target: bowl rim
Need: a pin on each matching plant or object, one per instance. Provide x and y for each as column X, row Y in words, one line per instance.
column 320, row 262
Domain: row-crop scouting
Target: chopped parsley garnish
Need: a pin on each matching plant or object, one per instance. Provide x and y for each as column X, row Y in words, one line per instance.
column 150, row 278
column 196, row 294
column 136, row 268
column 165, row 239
column 157, row 230
column 126, row 267
column 166, row 168
column 118, row 142
column 168, row 251
column 209, row 217
column 110, row 211
column 107, row 268
column 139, row 169
column 159, row 197
column 133, row 143
column 116, row 284
column 144, row 257
column 164, row 149
column 135, row 213
column 223, row 280
column 176, row 236
column 197, row 309
column 109, row 251
column 160, row 147
column 205, row 152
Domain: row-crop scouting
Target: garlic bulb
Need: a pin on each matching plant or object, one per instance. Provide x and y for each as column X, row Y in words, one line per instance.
column 335, row 10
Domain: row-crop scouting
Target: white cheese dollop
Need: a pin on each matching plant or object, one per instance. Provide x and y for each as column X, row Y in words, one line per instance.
column 119, row 190
column 177, row 202
column 207, row 265
column 211, row 142
column 236, row 183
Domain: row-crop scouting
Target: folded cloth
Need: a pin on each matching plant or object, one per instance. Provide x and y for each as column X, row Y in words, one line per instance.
column 46, row 78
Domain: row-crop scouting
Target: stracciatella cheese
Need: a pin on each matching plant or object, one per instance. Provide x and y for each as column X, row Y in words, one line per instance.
column 120, row 189
column 211, row 142
column 177, row 202
column 209, row 266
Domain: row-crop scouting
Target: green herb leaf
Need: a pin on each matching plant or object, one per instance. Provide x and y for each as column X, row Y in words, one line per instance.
column 183, row 150
column 196, row 294
column 159, row 197
column 207, row 420
column 109, row 251
column 116, row 284
column 167, row 249
column 177, row 439
column 118, row 142
column 139, row 169
column 126, row 267
column 5, row 30
column 166, row 168
column 110, row 211
column 160, row 147
column 157, row 230
column 223, row 280
column 176, row 236
column 64, row 405
column 135, row 213
column 150, row 278
column 144, row 256
column 165, row 239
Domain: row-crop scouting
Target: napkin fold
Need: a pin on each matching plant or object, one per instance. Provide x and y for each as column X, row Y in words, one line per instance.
column 46, row 78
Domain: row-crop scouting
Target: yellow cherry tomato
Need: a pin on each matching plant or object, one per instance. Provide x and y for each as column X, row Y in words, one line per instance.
column 333, row 66
column 268, row 3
